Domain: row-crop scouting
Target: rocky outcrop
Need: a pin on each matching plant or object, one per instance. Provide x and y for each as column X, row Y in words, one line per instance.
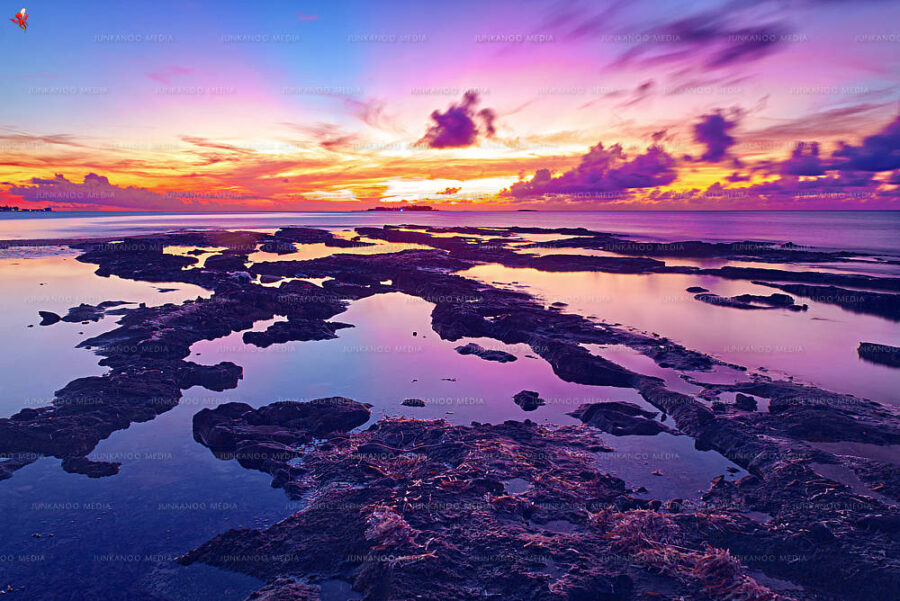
column 257, row 438
column 857, row 301
column 418, row 509
column 752, row 301
column 528, row 400
column 48, row 318
column 881, row 354
column 294, row 330
column 620, row 418
column 486, row 354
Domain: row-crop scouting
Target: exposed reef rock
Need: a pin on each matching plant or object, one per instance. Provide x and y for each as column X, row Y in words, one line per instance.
column 294, row 329
column 420, row 509
column 306, row 235
column 528, row 400
column 48, row 318
column 745, row 402
column 879, row 353
column 486, row 354
column 752, row 301
column 620, row 419
column 270, row 434
column 81, row 313
column 413, row 509
column 857, row 301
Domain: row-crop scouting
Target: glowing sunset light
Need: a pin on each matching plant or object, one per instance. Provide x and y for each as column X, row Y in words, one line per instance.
column 350, row 106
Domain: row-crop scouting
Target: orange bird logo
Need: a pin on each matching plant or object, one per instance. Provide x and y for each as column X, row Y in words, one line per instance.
column 21, row 19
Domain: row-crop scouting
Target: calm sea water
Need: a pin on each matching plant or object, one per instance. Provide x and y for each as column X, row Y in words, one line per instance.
column 869, row 231
column 117, row 537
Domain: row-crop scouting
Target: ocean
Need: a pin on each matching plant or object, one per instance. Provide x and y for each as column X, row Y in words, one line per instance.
column 864, row 231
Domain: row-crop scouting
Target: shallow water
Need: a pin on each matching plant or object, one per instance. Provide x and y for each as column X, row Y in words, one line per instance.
column 817, row 346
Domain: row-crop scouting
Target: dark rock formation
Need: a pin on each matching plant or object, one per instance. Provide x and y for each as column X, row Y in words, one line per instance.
column 256, row 438
column 774, row 300
column 226, row 262
column 91, row 469
column 486, row 354
column 744, row 402
column 620, row 418
column 48, row 318
column 879, row 353
column 85, row 312
column 412, row 403
column 857, row 301
column 528, row 400
column 412, row 509
column 294, row 329
column 752, row 301
column 306, row 235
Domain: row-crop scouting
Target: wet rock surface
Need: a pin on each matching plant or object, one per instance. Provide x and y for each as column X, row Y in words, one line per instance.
column 416, row 509
column 752, row 301
column 620, row 419
column 486, row 354
column 882, row 354
column 857, row 301
column 294, row 329
column 48, row 318
column 270, row 434
column 528, row 400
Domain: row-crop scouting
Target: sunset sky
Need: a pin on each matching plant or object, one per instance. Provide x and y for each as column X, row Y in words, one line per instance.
column 340, row 105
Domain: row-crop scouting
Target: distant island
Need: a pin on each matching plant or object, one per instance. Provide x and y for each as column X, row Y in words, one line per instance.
column 6, row 209
column 402, row 209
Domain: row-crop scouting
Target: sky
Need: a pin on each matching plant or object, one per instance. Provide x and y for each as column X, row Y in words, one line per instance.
column 470, row 105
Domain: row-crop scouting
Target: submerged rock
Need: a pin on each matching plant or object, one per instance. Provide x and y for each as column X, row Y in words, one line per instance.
column 486, row 354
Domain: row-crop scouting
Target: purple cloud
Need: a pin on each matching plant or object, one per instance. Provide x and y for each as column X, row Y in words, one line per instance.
column 712, row 131
column 458, row 126
column 602, row 171
column 804, row 160
column 880, row 152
